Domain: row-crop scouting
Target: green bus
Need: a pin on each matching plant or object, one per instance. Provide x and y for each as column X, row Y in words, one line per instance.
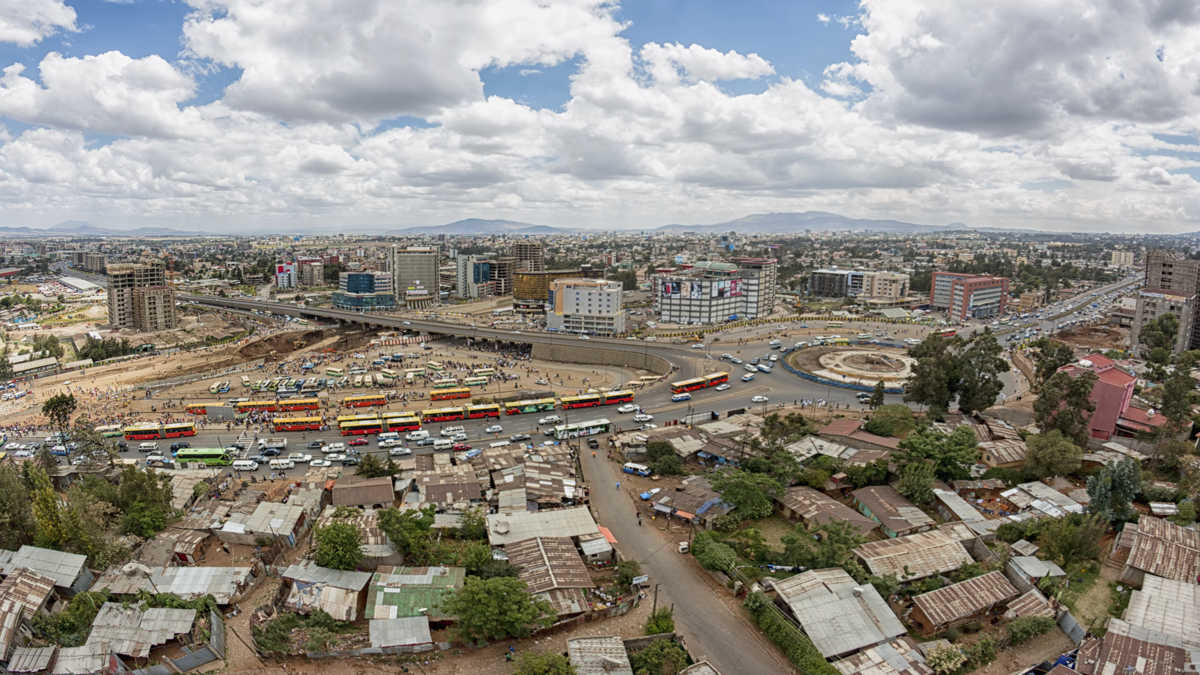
column 110, row 430
column 483, row 372
column 475, row 381
column 445, row 383
column 209, row 456
column 435, row 366
column 335, row 372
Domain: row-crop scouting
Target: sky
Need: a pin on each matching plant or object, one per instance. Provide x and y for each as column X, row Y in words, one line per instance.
column 265, row 115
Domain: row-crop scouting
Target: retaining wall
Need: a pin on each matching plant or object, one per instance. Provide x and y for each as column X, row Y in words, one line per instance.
column 600, row 356
column 837, row 383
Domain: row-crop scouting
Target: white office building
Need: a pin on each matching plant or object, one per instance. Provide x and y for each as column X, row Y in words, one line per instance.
column 709, row 292
column 586, row 306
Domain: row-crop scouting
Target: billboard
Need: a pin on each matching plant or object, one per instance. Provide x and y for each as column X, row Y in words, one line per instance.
column 726, row 288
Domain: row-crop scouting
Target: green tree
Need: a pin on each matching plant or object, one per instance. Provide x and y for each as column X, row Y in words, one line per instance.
column 1177, row 396
column 877, row 395
column 1112, row 489
column 952, row 454
column 48, row 345
column 409, row 531
column 660, row 621
column 660, row 657
column 1073, row 539
column 474, row 524
column 1048, row 356
column 1064, row 403
column 935, row 376
column 47, row 512
column 661, row 458
column 339, row 546
column 980, row 366
column 891, row 420
column 17, row 525
column 916, row 482
column 946, row 659
column 543, row 663
column 862, row 475
column 1051, row 454
column 627, row 571
column 827, row 545
column 372, row 466
column 1157, row 338
column 58, row 409
column 1024, row 628
column 496, row 609
column 750, row 494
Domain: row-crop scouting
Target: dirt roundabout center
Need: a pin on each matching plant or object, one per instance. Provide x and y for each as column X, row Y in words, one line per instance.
column 857, row 365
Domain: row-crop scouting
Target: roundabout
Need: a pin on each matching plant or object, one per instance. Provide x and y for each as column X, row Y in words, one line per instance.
column 856, row 365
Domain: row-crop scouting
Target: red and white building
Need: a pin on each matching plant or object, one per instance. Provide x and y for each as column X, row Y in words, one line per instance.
column 968, row 296
column 1112, row 396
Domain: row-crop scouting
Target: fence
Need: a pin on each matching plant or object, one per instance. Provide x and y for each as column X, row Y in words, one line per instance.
column 836, row 383
column 1071, row 627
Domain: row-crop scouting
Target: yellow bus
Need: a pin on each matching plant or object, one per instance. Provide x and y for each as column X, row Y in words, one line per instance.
column 365, row 400
column 356, row 418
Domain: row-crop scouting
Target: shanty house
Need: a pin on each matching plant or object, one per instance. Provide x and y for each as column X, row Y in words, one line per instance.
column 914, row 556
column 23, row 595
column 68, row 570
column 132, row 631
column 338, row 593
column 599, row 656
column 896, row 515
column 839, row 615
column 1167, row 606
column 378, row 492
column 271, row 521
column 1126, row 648
column 397, row 592
column 551, row 568
column 506, row 528
column 1161, row 548
column 813, row 508
column 958, row 603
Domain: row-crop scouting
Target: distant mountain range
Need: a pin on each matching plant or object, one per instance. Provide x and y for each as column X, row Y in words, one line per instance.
column 758, row 223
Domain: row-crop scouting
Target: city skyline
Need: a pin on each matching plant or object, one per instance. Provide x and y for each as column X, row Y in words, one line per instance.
column 591, row 115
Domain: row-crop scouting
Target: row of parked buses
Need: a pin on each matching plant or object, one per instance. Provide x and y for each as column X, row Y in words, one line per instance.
column 702, row 382
column 150, row 432
column 280, row 405
column 358, row 425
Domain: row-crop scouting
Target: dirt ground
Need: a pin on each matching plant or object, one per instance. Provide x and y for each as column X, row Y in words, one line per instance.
column 1041, row 648
column 1095, row 337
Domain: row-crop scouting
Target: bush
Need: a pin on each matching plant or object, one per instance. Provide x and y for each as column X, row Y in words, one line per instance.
column 981, row 653
column 626, row 571
column 895, row 419
column 663, row 657
column 795, row 644
column 946, row 659
column 543, row 663
column 1025, row 628
column 661, row 621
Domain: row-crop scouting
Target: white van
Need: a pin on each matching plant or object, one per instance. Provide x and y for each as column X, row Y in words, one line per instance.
column 148, row 446
column 450, row 431
column 418, row 435
column 442, row 444
column 682, row 396
column 388, row 436
column 498, row 444
column 283, row 464
column 245, row 465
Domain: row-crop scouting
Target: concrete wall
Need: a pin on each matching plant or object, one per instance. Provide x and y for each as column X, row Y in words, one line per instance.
column 599, row 356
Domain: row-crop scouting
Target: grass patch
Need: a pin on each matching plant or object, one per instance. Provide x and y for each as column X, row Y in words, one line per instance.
column 1119, row 595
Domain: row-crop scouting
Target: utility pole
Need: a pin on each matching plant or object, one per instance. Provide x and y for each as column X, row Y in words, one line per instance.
column 654, row 605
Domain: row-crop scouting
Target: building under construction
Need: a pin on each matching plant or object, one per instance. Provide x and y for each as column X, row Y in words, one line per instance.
column 139, row 297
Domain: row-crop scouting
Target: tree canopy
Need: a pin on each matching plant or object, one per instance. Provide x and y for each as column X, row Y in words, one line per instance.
column 1048, row 356
column 895, row 419
column 951, row 454
column 750, row 494
column 1064, row 403
column 1112, row 489
column 339, row 546
column 496, row 609
column 59, row 408
column 827, row 545
column 1051, row 454
column 950, row 370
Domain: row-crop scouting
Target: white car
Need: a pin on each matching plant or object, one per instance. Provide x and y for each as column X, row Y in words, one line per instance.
column 336, row 457
column 156, row 458
column 299, row 457
column 459, row 437
column 391, row 443
column 334, row 447
column 494, row 429
column 759, row 399
column 642, row 417
column 23, row 453
column 723, row 387
column 627, row 408
column 649, row 426
column 399, row 451
column 320, row 462
column 550, row 419
column 450, row 431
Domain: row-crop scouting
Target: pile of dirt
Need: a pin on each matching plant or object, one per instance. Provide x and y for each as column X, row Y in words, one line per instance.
column 282, row 343
column 1096, row 337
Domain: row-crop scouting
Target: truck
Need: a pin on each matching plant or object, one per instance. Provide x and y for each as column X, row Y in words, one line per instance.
column 277, row 442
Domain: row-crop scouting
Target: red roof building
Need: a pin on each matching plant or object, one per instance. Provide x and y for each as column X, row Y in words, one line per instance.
column 1112, row 396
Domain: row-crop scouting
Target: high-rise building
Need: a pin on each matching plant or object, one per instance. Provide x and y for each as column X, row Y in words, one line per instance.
column 839, row 283
column 586, row 306
column 473, row 278
column 285, row 275
column 312, row 272
column 709, row 292
column 502, row 275
column 1171, row 284
column 531, row 290
column 968, row 296
column 530, row 256
column 364, row 291
column 415, row 274
column 1122, row 258
column 139, row 297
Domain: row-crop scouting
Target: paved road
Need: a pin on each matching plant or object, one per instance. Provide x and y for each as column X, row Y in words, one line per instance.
column 711, row 628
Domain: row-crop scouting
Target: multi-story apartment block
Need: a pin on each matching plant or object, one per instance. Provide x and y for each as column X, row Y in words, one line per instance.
column 89, row 261
column 586, row 306
column 1122, row 259
column 529, row 256
column 1171, row 284
column 139, row 297
column 839, row 283
column 365, row 291
column 312, row 272
column 968, row 296
column 473, row 277
column 415, row 275
column 713, row 292
column 285, row 275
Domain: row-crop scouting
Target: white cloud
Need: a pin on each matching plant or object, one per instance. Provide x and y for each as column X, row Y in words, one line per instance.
column 823, row 18
column 672, row 62
column 109, row 93
column 25, row 22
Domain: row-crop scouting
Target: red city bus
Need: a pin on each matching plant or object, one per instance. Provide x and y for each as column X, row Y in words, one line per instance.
column 447, row 394
column 715, row 379
column 178, row 429
column 142, row 432
column 257, row 406
column 402, row 423
column 582, row 401
column 484, row 410
column 443, row 415
column 615, row 397
column 361, row 427
column 947, row 332
column 300, row 404
column 364, row 401
column 703, row 382
column 297, row 423
column 197, row 408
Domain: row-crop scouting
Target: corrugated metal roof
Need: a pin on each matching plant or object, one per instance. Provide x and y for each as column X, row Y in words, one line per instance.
column 549, row 562
column 412, row 591
column 1168, row 606
column 223, row 583
column 839, row 615
column 30, row 659
column 63, row 568
column 364, row 492
column 28, row 588
column 402, row 632
column 131, row 631
column 1166, row 550
column 311, row 573
column 922, row 554
column 965, row 599
column 513, row 500
column 958, row 506
column 565, row 601
column 891, row 509
column 896, row 657
column 375, row 544
column 1003, row 451
column 599, row 656
column 86, row 660
column 1036, row 568
column 1029, row 603
column 817, row 508
column 1131, row 649
column 506, row 528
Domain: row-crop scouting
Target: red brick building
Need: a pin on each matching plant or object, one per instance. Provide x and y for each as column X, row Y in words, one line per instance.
column 1112, row 395
column 968, row 296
